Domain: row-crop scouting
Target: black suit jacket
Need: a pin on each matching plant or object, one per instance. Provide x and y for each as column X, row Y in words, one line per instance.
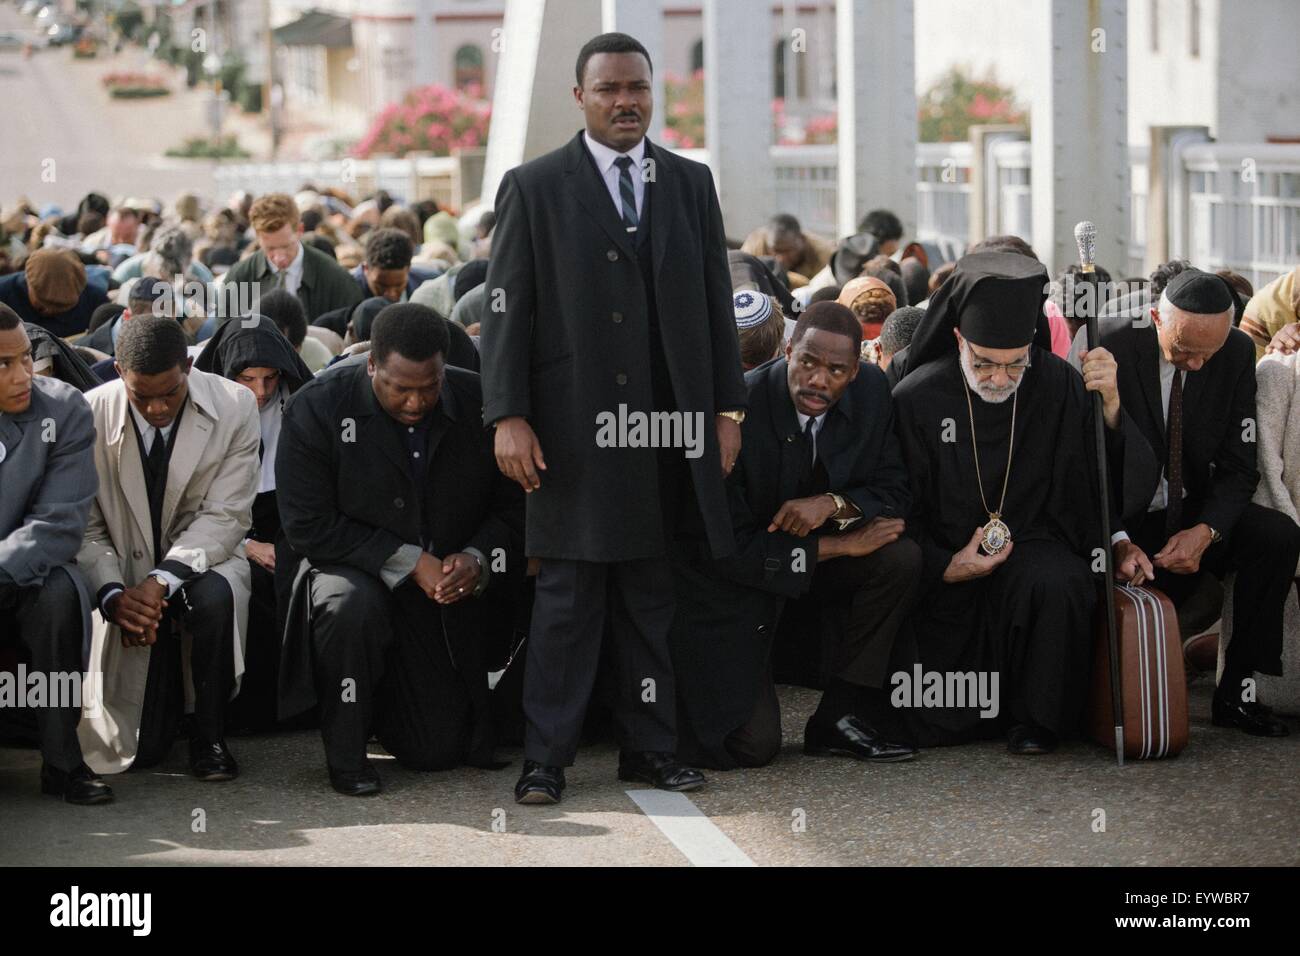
column 727, row 610
column 101, row 340
column 572, row 341
column 346, row 496
column 1219, row 425
column 345, row 488
column 859, row 448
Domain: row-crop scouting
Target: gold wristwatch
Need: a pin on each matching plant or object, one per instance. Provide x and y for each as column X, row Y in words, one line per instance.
column 737, row 417
column 841, row 506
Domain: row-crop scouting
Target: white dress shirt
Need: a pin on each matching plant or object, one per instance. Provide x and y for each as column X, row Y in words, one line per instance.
column 605, row 157
column 293, row 275
column 271, row 415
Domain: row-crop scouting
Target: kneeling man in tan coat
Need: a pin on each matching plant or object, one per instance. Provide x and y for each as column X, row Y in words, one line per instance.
column 177, row 456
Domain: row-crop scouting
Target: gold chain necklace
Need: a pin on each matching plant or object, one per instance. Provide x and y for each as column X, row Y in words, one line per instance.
column 996, row 533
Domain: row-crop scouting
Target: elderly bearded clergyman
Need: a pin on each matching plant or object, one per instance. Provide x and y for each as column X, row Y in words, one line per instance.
column 997, row 432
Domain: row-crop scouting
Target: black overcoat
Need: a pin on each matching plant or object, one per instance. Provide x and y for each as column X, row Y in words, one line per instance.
column 346, row 496
column 567, row 335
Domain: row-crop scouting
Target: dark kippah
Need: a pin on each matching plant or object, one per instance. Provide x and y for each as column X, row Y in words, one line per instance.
column 1200, row 292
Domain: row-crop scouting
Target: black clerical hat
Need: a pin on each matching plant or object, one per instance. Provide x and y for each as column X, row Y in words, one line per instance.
column 996, row 300
column 1200, row 292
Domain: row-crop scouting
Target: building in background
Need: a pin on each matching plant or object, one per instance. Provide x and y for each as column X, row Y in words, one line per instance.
column 1229, row 66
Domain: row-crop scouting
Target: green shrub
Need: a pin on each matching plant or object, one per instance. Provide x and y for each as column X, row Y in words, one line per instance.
column 199, row 147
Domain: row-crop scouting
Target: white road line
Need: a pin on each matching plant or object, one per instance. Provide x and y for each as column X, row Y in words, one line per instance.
column 689, row 829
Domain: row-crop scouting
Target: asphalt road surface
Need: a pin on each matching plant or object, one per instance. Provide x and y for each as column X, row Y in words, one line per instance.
column 1227, row 800
column 59, row 121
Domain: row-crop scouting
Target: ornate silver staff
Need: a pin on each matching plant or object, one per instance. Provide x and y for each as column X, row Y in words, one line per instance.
column 1085, row 236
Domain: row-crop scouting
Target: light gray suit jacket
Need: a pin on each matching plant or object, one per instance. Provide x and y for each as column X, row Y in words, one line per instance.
column 49, row 481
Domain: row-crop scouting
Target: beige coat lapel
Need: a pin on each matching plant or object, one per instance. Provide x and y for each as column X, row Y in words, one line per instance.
column 125, row 452
column 195, row 433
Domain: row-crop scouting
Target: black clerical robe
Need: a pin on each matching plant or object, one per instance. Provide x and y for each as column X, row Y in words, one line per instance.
column 1030, row 620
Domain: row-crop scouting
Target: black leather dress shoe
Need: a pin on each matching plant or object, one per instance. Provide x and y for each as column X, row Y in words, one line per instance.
column 538, row 784
column 82, row 785
column 851, row 736
column 1025, row 740
column 356, row 783
column 212, row 762
column 661, row 770
column 1254, row 718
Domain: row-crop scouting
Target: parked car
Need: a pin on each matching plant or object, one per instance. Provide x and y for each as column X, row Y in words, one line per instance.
column 62, row 33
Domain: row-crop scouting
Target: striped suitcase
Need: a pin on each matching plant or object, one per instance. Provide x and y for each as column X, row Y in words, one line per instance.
column 1151, row 676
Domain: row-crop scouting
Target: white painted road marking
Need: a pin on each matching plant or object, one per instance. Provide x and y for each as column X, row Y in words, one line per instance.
column 698, row 838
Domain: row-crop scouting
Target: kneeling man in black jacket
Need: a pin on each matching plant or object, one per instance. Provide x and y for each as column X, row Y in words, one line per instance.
column 816, row 497
column 389, row 490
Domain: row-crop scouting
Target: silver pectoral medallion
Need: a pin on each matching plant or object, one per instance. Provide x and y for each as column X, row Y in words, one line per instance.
column 996, row 536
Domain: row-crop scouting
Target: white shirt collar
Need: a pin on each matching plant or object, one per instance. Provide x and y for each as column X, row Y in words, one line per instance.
column 270, row 416
column 605, row 156
column 803, row 421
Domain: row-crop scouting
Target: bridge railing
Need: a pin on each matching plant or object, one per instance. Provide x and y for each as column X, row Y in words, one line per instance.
column 1237, row 205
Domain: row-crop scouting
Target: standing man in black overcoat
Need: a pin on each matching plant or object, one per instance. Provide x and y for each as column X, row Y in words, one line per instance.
column 609, row 295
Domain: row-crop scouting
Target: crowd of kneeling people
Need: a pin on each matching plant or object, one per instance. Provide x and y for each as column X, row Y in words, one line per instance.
column 224, row 532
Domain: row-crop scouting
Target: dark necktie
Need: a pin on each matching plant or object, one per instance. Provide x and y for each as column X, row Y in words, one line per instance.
column 1174, row 467
column 810, row 436
column 158, row 453
column 626, row 192
column 156, row 487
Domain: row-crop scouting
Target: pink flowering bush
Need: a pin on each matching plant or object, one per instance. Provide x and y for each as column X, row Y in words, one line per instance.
column 432, row 119
column 684, row 110
column 957, row 101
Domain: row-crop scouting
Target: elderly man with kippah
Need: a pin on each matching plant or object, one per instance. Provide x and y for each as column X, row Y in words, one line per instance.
column 1187, row 378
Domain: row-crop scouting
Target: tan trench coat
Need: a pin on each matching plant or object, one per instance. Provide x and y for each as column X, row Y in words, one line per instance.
column 207, row 509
